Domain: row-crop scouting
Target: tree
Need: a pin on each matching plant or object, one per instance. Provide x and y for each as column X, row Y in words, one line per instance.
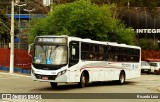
column 4, row 26
column 86, row 20
column 38, row 6
column 148, row 44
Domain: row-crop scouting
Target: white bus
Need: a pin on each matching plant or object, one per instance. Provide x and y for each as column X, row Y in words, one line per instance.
column 64, row 59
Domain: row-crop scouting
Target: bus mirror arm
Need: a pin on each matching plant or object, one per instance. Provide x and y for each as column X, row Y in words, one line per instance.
column 29, row 49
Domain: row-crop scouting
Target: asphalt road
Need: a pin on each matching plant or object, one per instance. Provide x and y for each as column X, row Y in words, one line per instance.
column 17, row 83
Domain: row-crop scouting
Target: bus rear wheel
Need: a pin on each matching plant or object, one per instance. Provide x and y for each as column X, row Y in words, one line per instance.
column 84, row 80
column 122, row 78
column 53, row 84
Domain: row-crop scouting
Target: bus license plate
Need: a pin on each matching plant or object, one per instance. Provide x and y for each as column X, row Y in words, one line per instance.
column 45, row 78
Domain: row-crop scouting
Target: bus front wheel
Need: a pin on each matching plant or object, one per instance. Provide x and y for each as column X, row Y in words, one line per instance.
column 84, row 79
column 53, row 84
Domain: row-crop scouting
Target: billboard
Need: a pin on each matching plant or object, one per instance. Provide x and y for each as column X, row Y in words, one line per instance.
column 146, row 24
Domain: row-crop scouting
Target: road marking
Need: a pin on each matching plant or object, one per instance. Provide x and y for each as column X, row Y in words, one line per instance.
column 147, row 84
column 155, row 79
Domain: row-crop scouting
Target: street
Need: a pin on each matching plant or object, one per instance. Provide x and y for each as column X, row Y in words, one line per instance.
column 18, row 83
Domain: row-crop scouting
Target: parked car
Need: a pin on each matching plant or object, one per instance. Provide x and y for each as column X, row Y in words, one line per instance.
column 145, row 67
column 155, row 67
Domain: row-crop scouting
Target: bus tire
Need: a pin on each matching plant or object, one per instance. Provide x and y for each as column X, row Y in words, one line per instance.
column 84, row 79
column 122, row 78
column 53, row 84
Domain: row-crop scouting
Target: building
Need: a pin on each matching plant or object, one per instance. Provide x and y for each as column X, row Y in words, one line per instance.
column 23, row 20
column 146, row 24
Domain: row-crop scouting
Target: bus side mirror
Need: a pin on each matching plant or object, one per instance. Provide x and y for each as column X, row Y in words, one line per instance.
column 30, row 49
column 73, row 51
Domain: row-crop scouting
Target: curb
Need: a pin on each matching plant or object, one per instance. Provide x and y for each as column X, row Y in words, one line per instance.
column 1, row 67
column 19, row 70
column 5, row 68
column 26, row 71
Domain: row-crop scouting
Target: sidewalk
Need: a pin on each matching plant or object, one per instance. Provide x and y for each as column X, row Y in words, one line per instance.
column 14, row 74
column 16, row 70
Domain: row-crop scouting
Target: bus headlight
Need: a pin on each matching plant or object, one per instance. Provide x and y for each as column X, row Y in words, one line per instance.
column 33, row 72
column 61, row 73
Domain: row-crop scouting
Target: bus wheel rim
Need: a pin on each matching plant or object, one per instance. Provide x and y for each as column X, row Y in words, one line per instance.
column 83, row 79
column 122, row 79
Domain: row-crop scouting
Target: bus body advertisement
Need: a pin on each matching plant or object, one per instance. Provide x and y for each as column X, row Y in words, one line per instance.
column 59, row 59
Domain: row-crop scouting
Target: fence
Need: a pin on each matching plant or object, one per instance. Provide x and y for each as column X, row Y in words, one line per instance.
column 150, row 54
column 21, row 58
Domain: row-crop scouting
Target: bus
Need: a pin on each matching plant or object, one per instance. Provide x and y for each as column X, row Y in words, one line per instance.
column 65, row 59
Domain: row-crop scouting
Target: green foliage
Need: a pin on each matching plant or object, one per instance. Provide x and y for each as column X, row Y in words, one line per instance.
column 122, row 35
column 40, row 27
column 4, row 26
column 86, row 20
column 148, row 44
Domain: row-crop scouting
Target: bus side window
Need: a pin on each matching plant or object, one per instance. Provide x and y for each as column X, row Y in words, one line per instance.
column 110, row 53
column 115, row 58
column 85, row 55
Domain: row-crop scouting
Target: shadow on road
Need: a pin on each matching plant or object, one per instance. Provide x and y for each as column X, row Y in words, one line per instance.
column 73, row 86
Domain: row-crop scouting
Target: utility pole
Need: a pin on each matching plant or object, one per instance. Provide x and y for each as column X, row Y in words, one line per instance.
column 12, row 38
column 51, row 8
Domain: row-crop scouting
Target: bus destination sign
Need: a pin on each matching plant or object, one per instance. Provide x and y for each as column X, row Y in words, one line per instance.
column 51, row 40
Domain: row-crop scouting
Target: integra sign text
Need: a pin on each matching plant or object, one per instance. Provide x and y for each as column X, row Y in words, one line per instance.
column 147, row 30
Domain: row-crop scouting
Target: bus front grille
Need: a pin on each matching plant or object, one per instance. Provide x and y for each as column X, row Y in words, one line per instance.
column 49, row 77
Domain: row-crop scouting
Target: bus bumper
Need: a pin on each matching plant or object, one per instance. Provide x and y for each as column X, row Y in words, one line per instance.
column 49, row 78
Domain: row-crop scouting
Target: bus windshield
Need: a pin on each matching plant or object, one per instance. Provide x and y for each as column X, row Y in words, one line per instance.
column 50, row 54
